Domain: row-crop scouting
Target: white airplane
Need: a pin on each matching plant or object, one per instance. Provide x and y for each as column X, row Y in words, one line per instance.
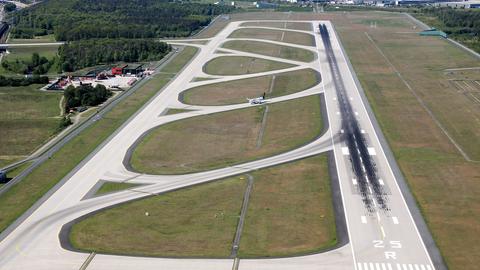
column 258, row 100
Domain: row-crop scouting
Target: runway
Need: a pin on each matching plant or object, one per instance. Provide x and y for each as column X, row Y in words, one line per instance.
column 383, row 236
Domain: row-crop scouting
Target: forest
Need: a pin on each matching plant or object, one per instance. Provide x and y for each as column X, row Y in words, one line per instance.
column 85, row 19
column 85, row 53
column 460, row 24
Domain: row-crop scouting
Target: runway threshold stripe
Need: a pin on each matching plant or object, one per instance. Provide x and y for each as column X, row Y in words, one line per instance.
column 422, row 267
column 416, row 267
column 384, row 267
column 428, row 267
column 389, row 267
column 410, row 267
column 359, row 266
column 395, row 220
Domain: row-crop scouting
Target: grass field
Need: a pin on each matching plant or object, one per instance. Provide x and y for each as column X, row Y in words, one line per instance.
column 38, row 39
column 228, row 138
column 239, row 90
column 283, row 25
column 274, row 50
column 109, row 187
column 275, row 35
column 25, row 54
column 290, row 210
column 24, row 194
column 180, row 223
column 445, row 185
column 28, row 117
column 238, row 65
column 289, row 213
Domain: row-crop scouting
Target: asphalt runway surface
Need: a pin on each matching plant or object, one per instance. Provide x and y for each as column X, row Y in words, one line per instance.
column 381, row 230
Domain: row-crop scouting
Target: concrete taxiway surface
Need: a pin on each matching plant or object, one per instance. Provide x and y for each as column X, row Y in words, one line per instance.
column 379, row 238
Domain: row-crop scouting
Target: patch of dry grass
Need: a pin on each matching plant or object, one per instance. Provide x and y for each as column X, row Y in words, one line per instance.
column 275, row 35
column 228, row 138
column 239, row 90
column 238, row 65
column 290, row 210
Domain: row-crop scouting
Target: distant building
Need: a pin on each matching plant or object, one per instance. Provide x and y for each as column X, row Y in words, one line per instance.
column 463, row 4
column 132, row 69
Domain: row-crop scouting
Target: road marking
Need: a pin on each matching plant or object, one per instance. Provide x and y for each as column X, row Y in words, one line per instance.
column 356, row 113
column 338, row 113
column 359, row 266
column 364, row 219
column 410, row 267
column 384, row 267
column 381, row 182
column 354, row 181
column 378, row 216
column 395, row 220
column 351, row 98
column 416, row 267
column 334, row 98
column 345, row 151
column 370, row 189
column 404, row 267
column 422, row 267
column 371, row 266
column 399, row 267
column 342, row 131
column 428, row 267
column 389, row 266
column 362, row 131
column 377, row 266
column 371, row 151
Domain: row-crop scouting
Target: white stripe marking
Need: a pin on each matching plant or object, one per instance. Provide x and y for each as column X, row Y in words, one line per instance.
column 410, row 267
column 362, row 131
column 365, row 265
column 416, row 267
column 360, row 266
column 356, row 113
column 398, row 267
column 422, row 267
column 381, row 182
column 395, row 220
column 371, row 151
column 428, row 267
column 342, row 131
column 389, row 266
column 354, row 181
column 384, row 267
column 371, row 266
column 338, row 113
column 383, row 231
column 364, row 219
column 345, row 151
column 377, row 266
column 404, row 267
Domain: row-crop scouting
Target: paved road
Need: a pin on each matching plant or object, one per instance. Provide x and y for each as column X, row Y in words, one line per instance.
column 379, row 239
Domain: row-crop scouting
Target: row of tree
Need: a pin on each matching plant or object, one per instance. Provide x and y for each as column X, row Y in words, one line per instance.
column 84, row 19
column 79, row 54
column 37, row 65
column 85, row 95
column 456, row 21
column 12, row 81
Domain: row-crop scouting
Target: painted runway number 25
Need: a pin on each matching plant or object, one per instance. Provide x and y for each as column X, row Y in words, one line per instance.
column 388, row 244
